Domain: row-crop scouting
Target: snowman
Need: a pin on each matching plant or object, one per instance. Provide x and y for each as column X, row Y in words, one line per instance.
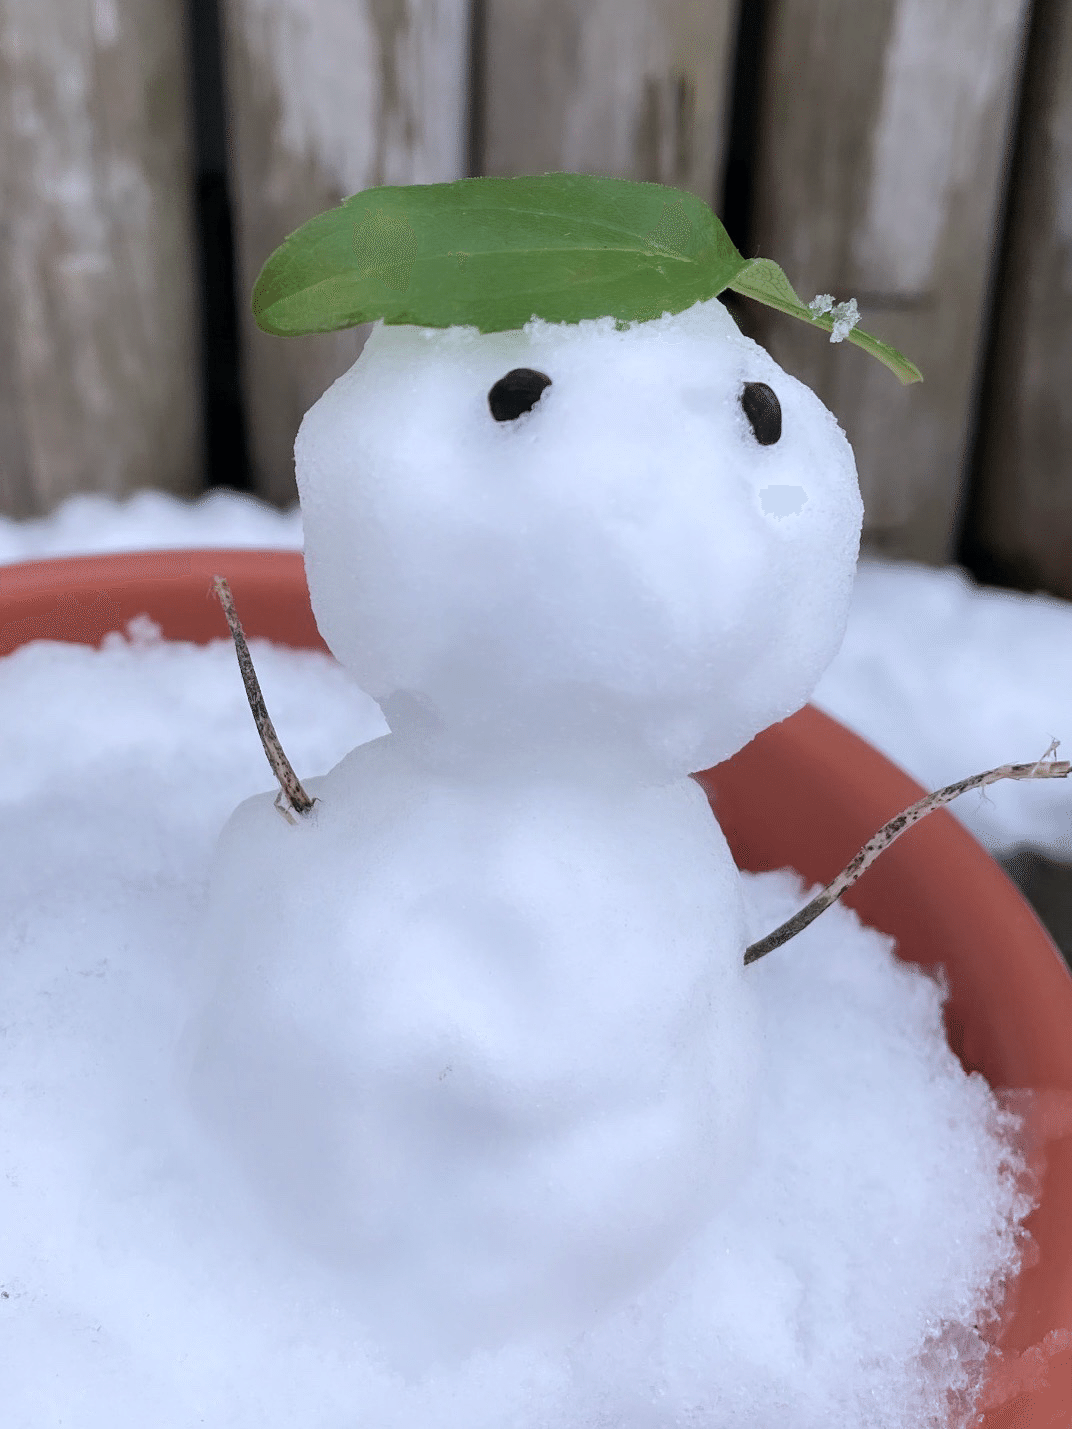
column 478, row 1034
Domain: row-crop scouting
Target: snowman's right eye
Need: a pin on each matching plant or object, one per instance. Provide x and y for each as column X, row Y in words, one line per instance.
column 516, row 393
column 764, row 412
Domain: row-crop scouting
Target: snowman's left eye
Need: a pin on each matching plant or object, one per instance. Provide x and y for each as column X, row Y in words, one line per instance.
column 517, row 393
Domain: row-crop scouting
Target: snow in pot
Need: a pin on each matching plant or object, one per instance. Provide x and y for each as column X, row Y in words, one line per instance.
column 837, row 1284
column 459, row 1105
column 479, row 1028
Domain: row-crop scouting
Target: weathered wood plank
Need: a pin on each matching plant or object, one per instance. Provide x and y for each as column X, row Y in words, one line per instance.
column 1022, row 524
column 325, row 101
column 99, row 387
column 884, row 135
column 635, row 88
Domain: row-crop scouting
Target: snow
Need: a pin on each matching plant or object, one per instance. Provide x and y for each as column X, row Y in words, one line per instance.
column 982, row 688
column 146, row 1285
column 846, row 315
column 563, row 603
column 478, row 1086
column 949, row 678
column 458, row 1083
column 149, row 520
column 597, row 574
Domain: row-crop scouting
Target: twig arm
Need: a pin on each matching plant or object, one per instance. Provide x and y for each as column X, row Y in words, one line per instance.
column 291, row 791
column 1044, row 768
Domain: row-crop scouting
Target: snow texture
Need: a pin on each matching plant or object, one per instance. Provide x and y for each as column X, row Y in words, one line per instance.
column 509, row 1091
column 987, row 686
column 456, row 1095
column 149, row 520
column 983, row 689
column 846, row 315
column 601, row 574
column 142, row 1282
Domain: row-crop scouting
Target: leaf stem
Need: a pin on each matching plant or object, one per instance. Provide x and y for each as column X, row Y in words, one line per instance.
column 292, row 798
column 1044, row 768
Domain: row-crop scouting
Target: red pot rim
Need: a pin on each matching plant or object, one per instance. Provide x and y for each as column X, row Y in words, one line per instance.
column 805, row 794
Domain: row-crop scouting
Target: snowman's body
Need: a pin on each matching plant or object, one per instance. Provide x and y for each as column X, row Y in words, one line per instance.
column 480, row 1029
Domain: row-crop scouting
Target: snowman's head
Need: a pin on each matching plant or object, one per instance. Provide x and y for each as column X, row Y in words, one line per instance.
column 574, row 537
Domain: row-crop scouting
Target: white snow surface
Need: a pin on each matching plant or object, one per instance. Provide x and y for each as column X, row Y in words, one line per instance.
column 945, row 676
column 949, row 678
column 92, row 524
column 489, row 1045
column 452, row 1102
column 622, row 571
column 144, row 1282
column 479, row 1026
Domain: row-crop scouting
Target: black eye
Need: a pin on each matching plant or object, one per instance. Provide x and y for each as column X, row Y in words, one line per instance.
column 516, row 393
column 764, row 412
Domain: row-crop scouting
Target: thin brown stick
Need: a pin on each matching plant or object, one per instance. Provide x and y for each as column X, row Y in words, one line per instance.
column 291, row 792
column 1044, row 768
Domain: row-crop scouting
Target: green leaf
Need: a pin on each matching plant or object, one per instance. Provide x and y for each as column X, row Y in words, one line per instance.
column 492, row 253
column 763, row 280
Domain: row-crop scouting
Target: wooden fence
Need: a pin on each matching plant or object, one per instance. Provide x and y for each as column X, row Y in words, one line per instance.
column 915, row 154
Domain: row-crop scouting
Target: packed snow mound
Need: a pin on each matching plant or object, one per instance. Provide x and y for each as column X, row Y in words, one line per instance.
column 478, row 1027
column 841, row 1284
column 630, row 563
column 488, row 1046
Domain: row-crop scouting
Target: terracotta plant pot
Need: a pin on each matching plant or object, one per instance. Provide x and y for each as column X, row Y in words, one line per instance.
column 806, row 794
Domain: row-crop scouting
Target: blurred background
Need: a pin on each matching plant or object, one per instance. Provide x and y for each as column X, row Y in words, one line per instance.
column 913, row 154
